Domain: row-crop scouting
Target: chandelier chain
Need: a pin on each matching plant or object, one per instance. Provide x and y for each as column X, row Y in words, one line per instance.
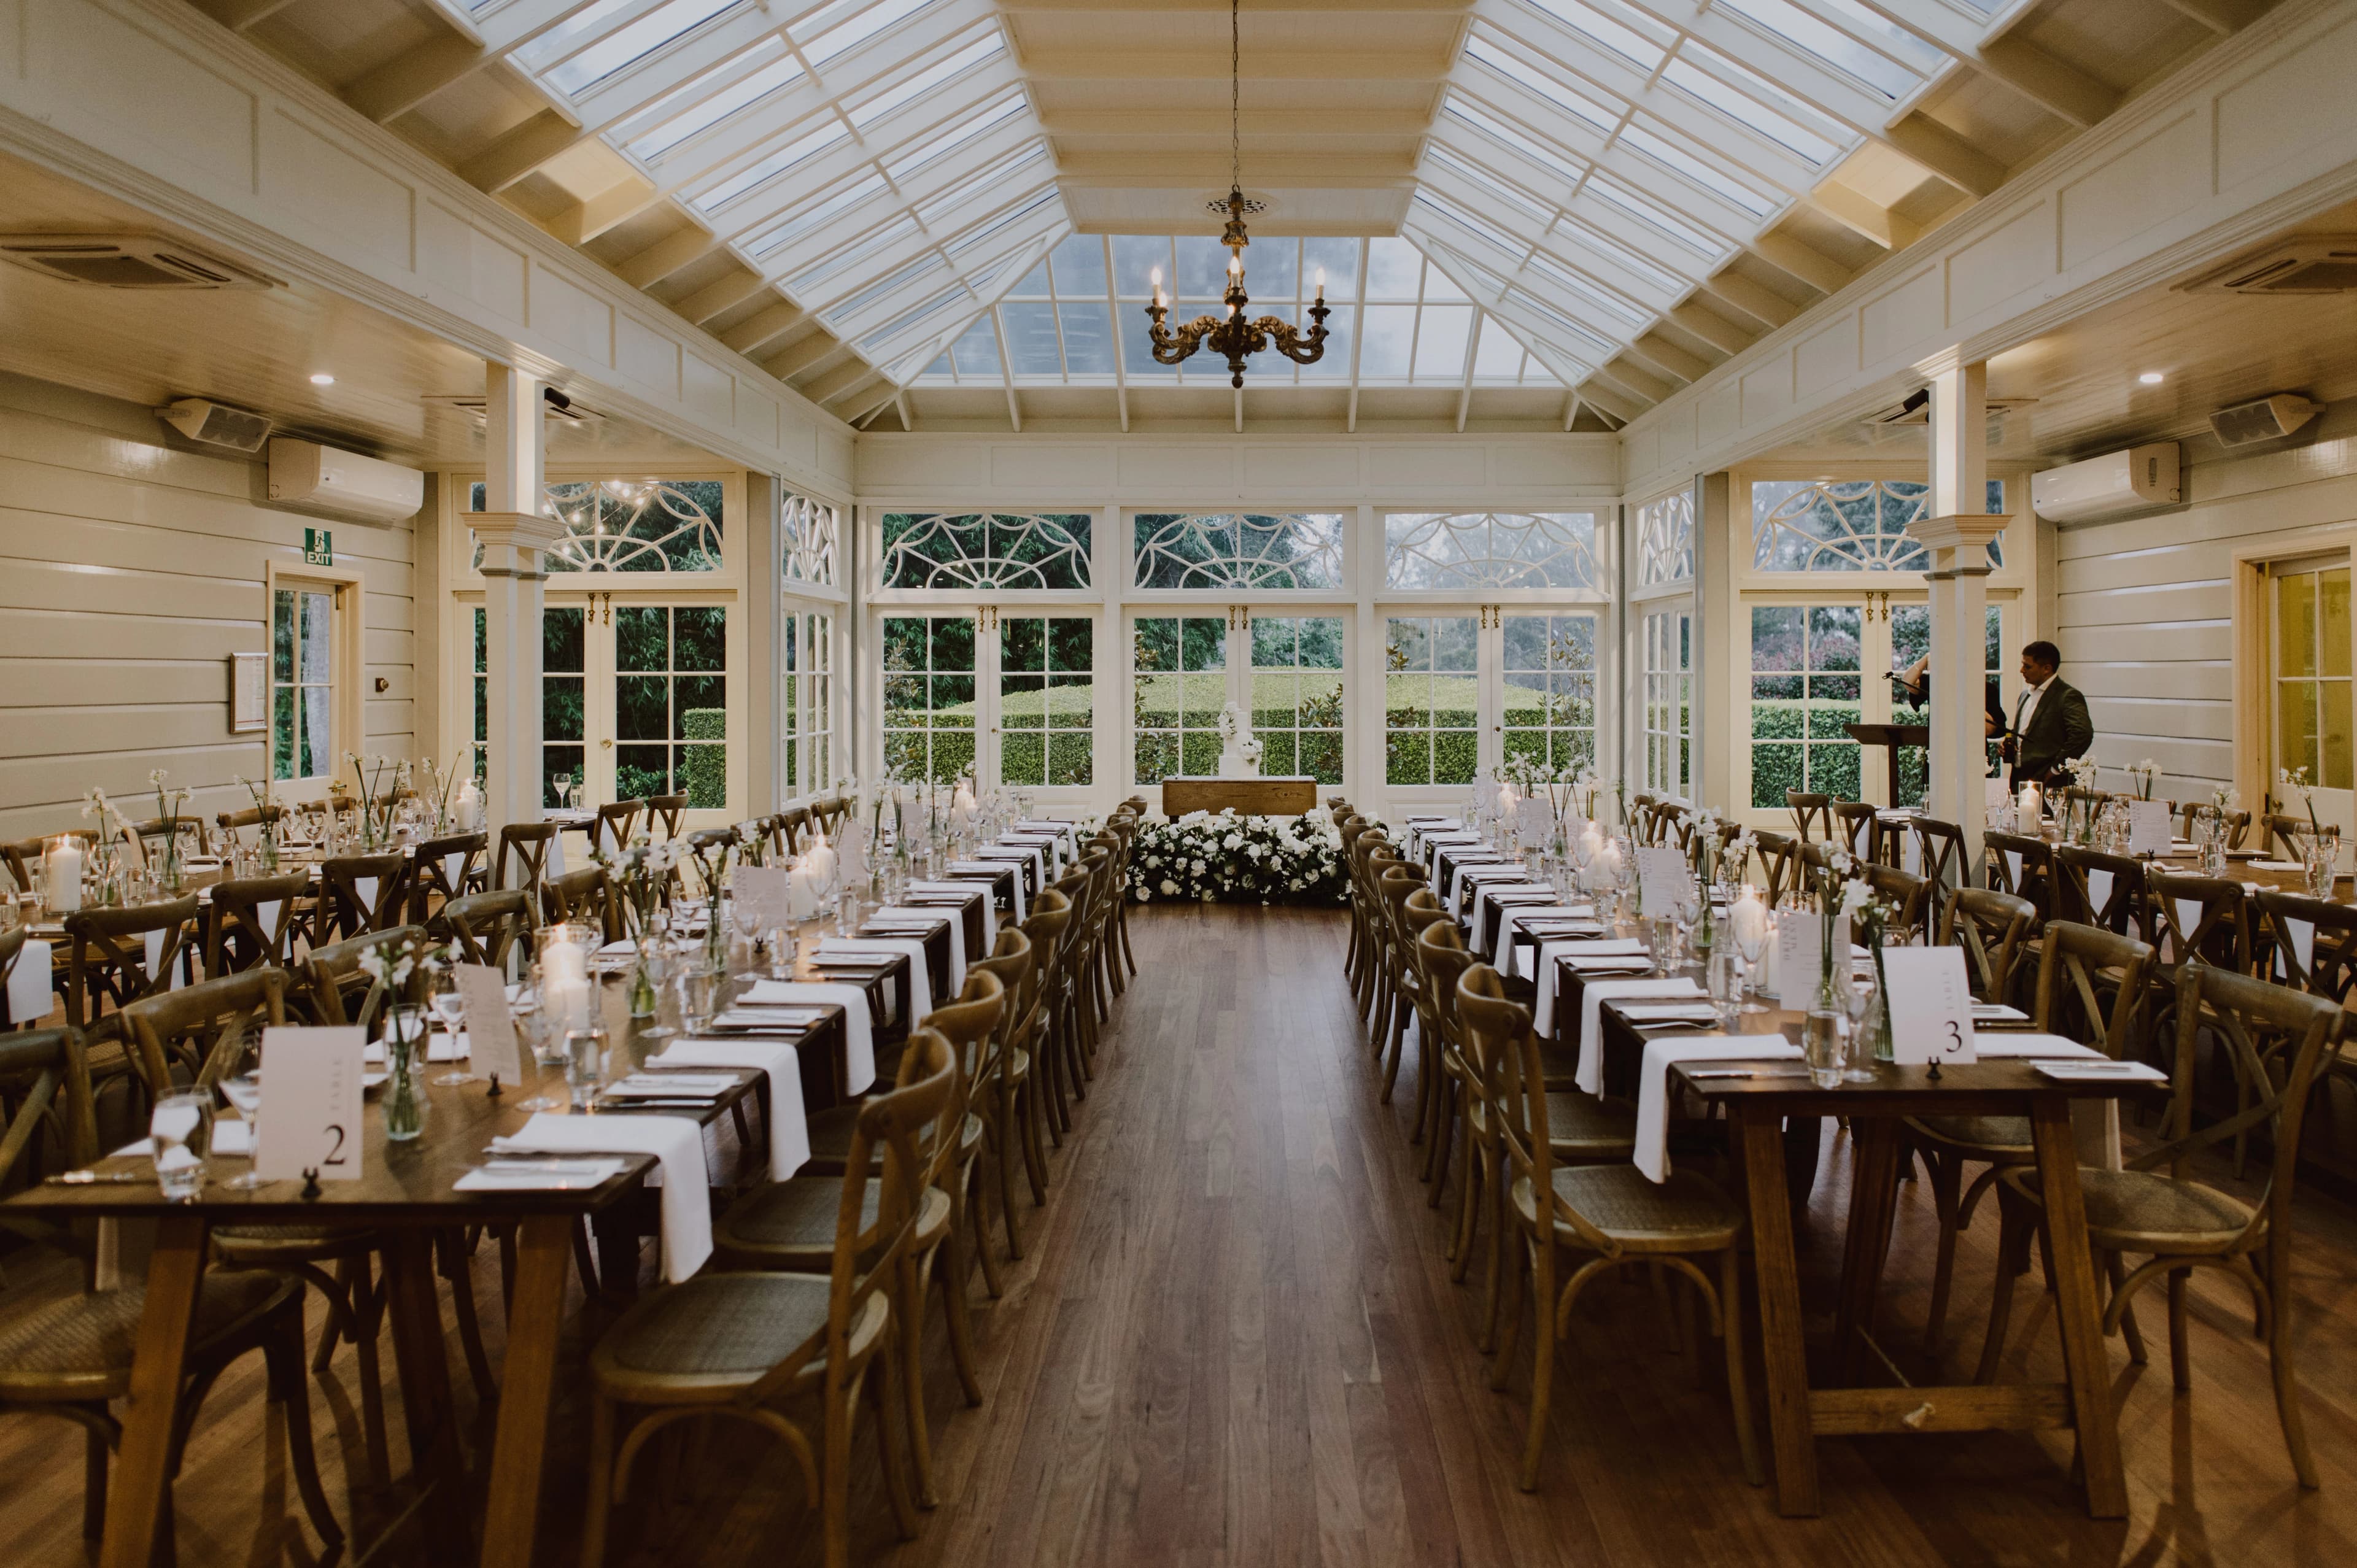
column 1235, row 95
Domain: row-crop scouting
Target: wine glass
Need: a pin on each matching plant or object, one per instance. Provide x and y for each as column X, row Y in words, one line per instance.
column 241, row 1085
column 531, row 1029
column 449, row 1011
column 1753, row 945
column 1857, row 1002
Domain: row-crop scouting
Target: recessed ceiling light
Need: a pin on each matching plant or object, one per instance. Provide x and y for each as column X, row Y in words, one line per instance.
column 324, row 380
column 2150, row 378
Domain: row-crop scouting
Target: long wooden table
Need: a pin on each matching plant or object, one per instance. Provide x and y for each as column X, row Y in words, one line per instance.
column 407, row 1191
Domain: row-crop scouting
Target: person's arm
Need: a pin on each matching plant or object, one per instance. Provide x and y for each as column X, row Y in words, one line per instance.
column 2078, row 729
column 1918, row 688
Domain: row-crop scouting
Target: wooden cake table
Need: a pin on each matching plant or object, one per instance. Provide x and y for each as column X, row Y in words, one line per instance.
column 1287, row 797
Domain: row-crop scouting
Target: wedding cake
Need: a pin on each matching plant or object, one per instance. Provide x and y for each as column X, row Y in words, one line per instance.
column 1240, row 750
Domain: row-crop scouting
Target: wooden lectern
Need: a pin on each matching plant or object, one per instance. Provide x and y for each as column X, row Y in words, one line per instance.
column 1890, row 737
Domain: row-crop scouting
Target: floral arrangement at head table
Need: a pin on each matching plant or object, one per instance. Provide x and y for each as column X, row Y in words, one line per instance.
column 1205, row 858
column 2144, row 774
column 112, row 829
column 368, row 772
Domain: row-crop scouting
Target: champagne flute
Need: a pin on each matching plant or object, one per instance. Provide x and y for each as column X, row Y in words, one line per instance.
column 449, row 1011
column 242, row 1087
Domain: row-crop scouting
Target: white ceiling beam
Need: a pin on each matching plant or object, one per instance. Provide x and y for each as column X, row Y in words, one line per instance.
column 410, row 78
column 1185, row 170
column 237, row 15
column 666, row 256
column 907, row 414
column 1656, row 353
column 1945, row 153
column 2224, row 17
column 609, row 208
column 1636, row 382
column 724, row 295
column 1812, row 267
column 1712, row 328
column 1149, row 66
column 1861, row 214
column 869, row 402
column 764, row 326
column 1275, row 123
column 804, row 356
column 522, row 150
column 1772, row 310
column 1606, row 398
column 832, row 384
column 2053, row 84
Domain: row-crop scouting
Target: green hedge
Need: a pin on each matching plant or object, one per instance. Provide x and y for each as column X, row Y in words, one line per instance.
column 704, row 770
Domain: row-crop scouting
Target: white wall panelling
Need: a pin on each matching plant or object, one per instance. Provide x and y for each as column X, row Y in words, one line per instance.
column 161, row 107
column 2246, row 140
column 128, row 573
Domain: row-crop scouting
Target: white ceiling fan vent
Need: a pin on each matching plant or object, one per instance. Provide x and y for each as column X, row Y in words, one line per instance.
column 2306, row 264
column 126, row 261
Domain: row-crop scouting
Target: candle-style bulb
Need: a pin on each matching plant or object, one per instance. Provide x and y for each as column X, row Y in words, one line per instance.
column 1321, row 286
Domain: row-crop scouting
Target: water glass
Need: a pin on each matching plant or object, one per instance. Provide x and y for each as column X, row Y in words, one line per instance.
column 846, row 913
column 584, row 1065
column 1821, row 1044
column 181, row 1131
column 2322, row 864
column 701, row 991
column 782, row 946
column 449, row 1011
column 1857, row 1001
column 1727, row 975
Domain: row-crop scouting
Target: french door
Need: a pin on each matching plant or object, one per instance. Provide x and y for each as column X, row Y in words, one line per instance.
column 1011, row 692
column 1465, row 688
column 1283, row 666
column 2309, row 683
column 635, row 700
column 1821, row 662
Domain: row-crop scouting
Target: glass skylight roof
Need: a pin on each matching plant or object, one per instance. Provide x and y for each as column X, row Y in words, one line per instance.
column 837, row 147
column 1079, row 318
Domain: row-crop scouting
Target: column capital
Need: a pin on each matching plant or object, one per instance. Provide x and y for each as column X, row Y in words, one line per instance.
column 1957, row 531
column 513, row 541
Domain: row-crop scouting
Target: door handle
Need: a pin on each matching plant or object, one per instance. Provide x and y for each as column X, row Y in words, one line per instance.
column 605, row 745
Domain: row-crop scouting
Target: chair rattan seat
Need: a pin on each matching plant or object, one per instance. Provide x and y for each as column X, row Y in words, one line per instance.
column 830, row 1134
column 2143, row 1211
column 797, row 1217
column 727, row 1330
column 1582, row 1127
column 1686, row 1213
column 80, row 1346
column 2010, row 1134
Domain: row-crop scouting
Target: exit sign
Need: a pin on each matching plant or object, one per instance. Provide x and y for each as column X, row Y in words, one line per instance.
column 319, row 547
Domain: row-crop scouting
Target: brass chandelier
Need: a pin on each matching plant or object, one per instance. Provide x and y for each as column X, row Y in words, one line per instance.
column 1234, row 336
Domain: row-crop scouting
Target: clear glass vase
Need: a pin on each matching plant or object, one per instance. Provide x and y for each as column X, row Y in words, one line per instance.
column 404, row 1067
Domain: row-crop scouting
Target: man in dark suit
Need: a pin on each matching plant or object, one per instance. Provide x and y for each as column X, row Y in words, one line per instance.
column 2050, row 720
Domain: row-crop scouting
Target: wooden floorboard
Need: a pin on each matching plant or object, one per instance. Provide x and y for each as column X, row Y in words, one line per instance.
column 1232, row 1341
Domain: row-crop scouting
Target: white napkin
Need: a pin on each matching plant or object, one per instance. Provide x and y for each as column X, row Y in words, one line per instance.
column 1516, row 914
column 968, row 891
column 1481, row 897
column 155, row 942
column 439, row 1047
column 676, row 1141
column 2270, row 865
column 788, row 1123
column 981, row 868
column 1652, row 1155
column 28, row 984
column 1550, row 951
column 553, row 866
column 1018, row 853
column 920, row 979
column 1590, row 1073
column 859, row 1030
column 957, row 934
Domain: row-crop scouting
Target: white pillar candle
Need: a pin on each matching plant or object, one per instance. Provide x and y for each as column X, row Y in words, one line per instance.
column 2029, row 808
column 62, row 868
column 1749, row 917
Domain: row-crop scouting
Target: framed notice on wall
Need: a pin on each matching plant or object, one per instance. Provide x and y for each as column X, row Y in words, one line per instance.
column 249, row 692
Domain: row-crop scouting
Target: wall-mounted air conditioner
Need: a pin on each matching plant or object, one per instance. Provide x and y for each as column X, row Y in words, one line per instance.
column 342, row 484
column 2114, row 484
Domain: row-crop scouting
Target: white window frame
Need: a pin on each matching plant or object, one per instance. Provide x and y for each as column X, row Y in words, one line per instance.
column 347, row 672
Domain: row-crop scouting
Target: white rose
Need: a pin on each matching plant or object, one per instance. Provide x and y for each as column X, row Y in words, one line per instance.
column 1169, row 887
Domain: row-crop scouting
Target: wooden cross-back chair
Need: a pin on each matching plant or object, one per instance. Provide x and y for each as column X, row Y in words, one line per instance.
column 152, row 833
column 735, row 1343
column 522, row 859
column 2156, row 1208
column 1393, row 887
column 615, row 822
column 2022, row 866
column 2236, row 823
column 228, row 825
column 71, row 1356
column 107, row 962
column 337, row 990
column 197, row 1036
column 485, row 926
column 1940, row 855
column 2073, row 1000
column 663, row 814
column 2285, row 829
column 2099, row 889
column 362, row 893
column 1603, row 1215
column 253, row 920
column 2208, row 919
column 583, row 897
column 1909, row 895
column 1853, row 828
column 1778, row 863
column 828, row 815
column 708, row 849
column 1813, row 815
column 443, row 869
column 1442, row 957
column 1991, row 928
column 1002, row 1097
column 1048, row 924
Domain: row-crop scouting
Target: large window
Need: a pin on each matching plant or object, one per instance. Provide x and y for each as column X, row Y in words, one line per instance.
column 1804, row 693
column 2312, row 719
column 1665, row 539
column 929, row 695
column 1476, row 551
column 563, row 693
column 1047, row 715
column 1668, row 677
column 1296, row 695
column 1178, row 682
column 806, row 701
column 1238, row 551
column 985, row 550
column 303, row 636
column 1846, row 525
column 1433, row 698
column 1550, row 689
column 670, row 703
column 634, row 525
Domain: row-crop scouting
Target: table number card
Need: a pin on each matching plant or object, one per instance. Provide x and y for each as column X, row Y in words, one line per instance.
column 1931, row 1006
column 491, row 1028
column 765, row 897
column 2149, row 830
column 1662, row 879
column 312, row 1113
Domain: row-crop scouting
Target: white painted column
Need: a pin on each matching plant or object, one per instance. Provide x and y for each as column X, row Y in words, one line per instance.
column 513, row 530
column 1957, row 529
